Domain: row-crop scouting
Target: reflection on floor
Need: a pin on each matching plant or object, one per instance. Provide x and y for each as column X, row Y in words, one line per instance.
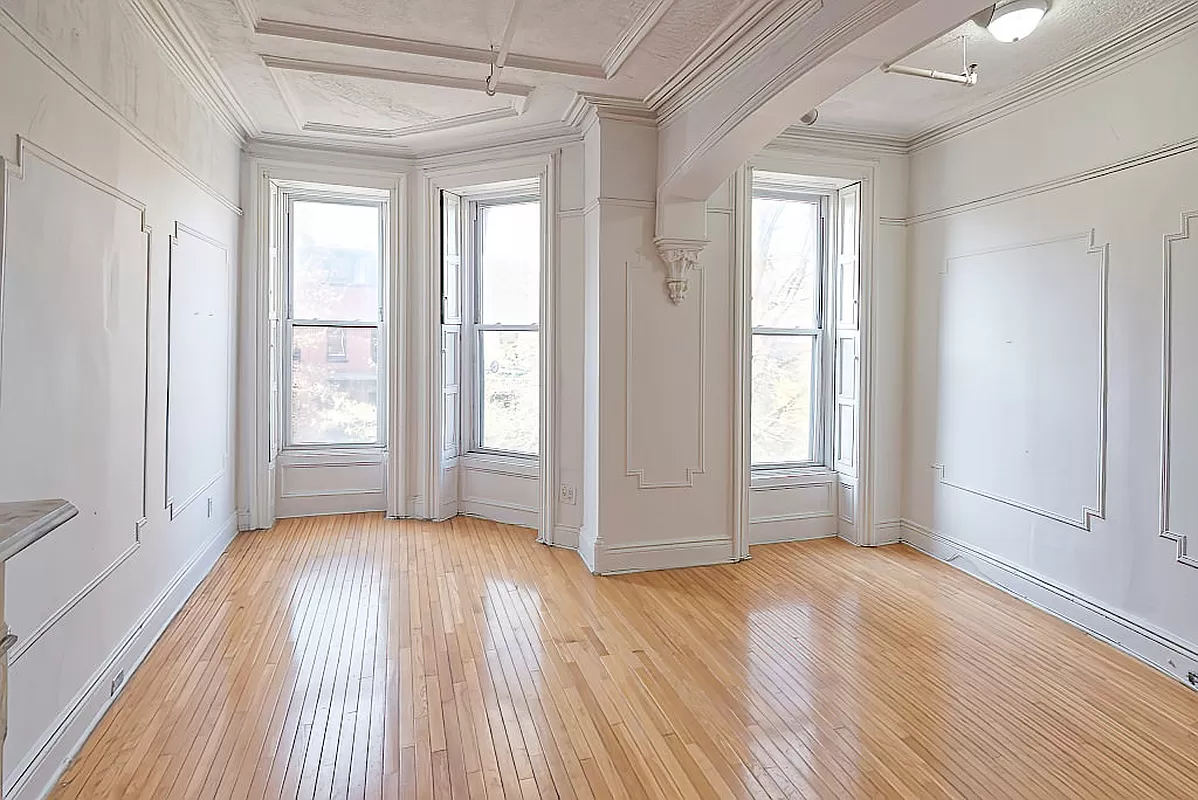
column 353, row 656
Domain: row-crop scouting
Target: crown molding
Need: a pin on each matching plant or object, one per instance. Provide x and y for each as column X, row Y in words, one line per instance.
column 289, row 64
column 392, row 44
column 188, row 57
column 634, row 34
column 605, row 106
column 752, row 27
column 840, row 139
column 1134, row 44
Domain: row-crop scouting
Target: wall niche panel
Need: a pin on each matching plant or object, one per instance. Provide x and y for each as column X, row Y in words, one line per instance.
column 1179, row 470
column 73, row 343
column 1023, row 377
column 199, row 366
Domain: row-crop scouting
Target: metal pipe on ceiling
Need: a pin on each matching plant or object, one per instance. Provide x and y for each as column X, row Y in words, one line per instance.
column 505, row 47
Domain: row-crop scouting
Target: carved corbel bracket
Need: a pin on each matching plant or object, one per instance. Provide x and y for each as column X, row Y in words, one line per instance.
column 680, row 257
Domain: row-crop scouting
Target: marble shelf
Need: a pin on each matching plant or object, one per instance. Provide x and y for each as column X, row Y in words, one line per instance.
column 24, row 522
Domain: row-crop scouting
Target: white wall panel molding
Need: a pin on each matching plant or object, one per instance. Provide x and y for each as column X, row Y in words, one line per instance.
column 41, row 768
column 209, row 388
column 1167, row 653
column 1179, row 509
column 648, row 417
column 14, row 28
column 121, row 324
column 989, row 476
column 1167, row 151
column 1148, row 37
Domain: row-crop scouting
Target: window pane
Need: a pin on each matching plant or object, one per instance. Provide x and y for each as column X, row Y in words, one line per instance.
column 786, row 264
column 781, row 404
column 510, row 393
column 509, row 278
column 334, row 390
column 335, row 268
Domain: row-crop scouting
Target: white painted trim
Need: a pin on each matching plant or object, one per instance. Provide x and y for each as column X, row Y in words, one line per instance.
column 447, row 123
column 36, row 776
column 742, row 360
column 1170, row 655
column 567, row 536
column 1167, row 530
column 674, row 554
column 792, row 539
column 291, row 64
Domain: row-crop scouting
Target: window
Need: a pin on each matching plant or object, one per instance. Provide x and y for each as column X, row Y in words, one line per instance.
column 788, row 294
column 333, row 317
column 506, row 325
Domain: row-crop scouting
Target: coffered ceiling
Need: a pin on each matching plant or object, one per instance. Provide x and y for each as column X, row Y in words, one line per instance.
column 409, row 76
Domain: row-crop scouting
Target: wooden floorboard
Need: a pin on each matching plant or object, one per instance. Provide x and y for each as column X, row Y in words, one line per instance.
column 363, row 658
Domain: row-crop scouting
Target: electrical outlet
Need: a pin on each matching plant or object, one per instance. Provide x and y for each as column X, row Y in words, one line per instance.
column 568, row 494
column 210, row 508
column 118, row 680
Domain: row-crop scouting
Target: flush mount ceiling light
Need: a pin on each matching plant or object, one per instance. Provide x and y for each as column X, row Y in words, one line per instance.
column 1010, row 22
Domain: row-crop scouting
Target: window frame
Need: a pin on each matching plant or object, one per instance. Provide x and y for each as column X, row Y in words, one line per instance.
column 823, row 335
column 289, row 323
column 474, row 328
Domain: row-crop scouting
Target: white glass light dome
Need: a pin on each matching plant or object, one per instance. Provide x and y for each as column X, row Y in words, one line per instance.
column 1016, row 20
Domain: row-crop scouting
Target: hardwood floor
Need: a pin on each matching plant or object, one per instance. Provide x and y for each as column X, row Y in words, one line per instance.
column 353, row 656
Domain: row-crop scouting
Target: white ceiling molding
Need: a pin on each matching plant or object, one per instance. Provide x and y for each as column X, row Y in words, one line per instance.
column 1146, row 37
column 804, row 138
column 190, row 60
column 746, row 31
column 374, row 41
column 632, row 37
column 605, row 106
column 426, row 127
column 248, row 12
column 380, row 73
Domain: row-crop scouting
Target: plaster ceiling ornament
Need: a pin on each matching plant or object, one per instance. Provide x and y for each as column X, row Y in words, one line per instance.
column 680, row 257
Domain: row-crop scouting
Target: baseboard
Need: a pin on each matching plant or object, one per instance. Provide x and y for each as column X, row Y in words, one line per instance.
column 37, row 777
column 566, row 536
column 1174, row 657
column 322, row 505
column 589, row 546
column 787, row 539
column 652, row 556
column 501, row 512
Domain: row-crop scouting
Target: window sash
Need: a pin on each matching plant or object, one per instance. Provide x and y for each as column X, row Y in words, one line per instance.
column 292, row 324
column 818, row 412
column 477, row 394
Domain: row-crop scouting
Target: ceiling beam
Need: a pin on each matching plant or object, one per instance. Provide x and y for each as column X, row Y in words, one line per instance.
column 290, row 64
column 374, row 41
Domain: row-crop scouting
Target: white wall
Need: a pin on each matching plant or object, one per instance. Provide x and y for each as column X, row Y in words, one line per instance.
column 1038, row 250
column 124, row 190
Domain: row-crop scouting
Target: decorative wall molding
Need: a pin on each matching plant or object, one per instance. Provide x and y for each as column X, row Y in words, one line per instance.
column 174, row 506
column 1144, row 38
column 634, row 34
column 1157, row 648
column 9, row 24
column 681, row 256
column 374, row 41
column 1096, row 510
column 16, row 170
column 289, row 64
column 1168, row 527
column 41, row 768
column 1167, row 151
column 629, row 346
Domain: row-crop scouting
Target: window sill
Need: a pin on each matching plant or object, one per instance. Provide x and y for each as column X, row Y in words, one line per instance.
column 775, row 478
